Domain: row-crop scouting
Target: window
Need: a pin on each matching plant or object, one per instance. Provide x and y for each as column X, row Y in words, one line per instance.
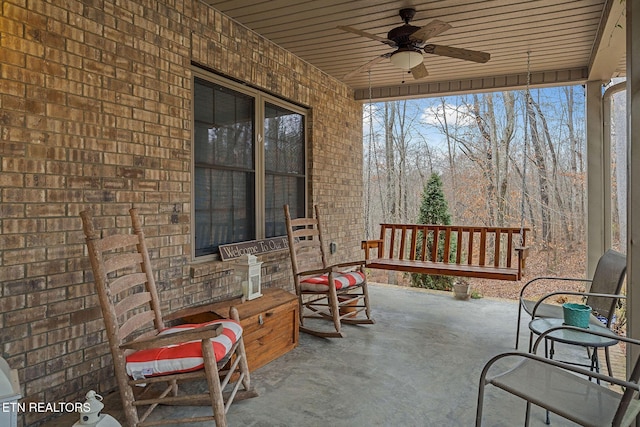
column 249, row 160
column 284, row 166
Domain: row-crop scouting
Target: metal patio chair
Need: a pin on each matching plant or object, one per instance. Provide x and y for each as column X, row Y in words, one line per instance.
column 565, row 389
column 603, row 295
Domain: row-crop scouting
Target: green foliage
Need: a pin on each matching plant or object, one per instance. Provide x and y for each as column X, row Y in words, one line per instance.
column 475, row 294
column 433, row 210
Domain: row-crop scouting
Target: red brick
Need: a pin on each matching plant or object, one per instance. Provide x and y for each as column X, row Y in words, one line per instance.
column 12, row 272
column 45, row 381
column 19, row 315
column 22, row 256
column 11, row 241
column 41, row 326
column 66, row 279
column 46, row 267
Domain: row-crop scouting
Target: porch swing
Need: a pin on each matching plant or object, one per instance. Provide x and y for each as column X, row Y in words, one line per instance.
column 497, row 253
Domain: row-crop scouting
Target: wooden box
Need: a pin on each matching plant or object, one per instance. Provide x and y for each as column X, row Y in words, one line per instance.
column 270, row 323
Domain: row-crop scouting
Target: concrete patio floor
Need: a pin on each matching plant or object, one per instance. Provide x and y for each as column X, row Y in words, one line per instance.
column 419, row 365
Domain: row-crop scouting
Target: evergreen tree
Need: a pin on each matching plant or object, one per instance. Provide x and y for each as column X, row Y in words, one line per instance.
column 433, row 210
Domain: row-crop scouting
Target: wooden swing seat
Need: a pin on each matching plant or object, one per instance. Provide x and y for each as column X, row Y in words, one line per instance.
column 495, row 253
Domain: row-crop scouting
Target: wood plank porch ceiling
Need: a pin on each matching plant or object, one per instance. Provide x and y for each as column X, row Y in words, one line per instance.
column 570, row 41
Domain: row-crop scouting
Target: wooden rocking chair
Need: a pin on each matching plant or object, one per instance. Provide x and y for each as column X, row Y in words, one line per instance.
column 324, row 292
column 150, row 359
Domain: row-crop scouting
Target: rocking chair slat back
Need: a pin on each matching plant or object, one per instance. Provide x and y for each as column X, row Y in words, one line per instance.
column 122, row 268
column 135, row 323
column 132, row 302
column 115, row 241
column 306, row 242
column 121, row 261
column 126, row 282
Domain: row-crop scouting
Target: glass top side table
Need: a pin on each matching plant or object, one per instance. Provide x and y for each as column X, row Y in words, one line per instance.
column 572, row 337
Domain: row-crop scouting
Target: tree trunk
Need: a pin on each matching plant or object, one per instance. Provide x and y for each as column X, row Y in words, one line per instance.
column 486, row 161
column 555, row 177
column 576, row 192
column 389, row 117
column 502, row 162
column 450, row 152
column 543, row 178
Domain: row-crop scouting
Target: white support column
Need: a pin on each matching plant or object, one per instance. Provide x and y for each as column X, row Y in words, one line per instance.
column 633, row 201
column 597, row 200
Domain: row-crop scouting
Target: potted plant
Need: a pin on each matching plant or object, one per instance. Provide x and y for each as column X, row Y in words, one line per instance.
column 462, row 289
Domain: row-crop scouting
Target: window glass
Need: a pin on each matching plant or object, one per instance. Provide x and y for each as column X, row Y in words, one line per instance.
column 284, row 166
column 228, row 185
column 224, row 182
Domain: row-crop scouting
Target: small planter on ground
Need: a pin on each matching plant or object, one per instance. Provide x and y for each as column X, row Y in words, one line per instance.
column 461, row 290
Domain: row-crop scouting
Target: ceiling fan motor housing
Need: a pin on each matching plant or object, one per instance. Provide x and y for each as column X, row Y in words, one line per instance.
column 400, row 35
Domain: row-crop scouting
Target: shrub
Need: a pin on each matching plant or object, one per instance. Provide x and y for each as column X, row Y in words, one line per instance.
column 433, row 210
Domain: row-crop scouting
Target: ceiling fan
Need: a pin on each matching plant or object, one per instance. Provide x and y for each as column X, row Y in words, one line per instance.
column 409, row 42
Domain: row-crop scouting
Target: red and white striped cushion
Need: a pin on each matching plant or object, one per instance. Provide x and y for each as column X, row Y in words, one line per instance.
column 183, row 357
column 342, row 280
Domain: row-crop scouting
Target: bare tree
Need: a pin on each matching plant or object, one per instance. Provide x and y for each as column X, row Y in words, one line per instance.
column 541, row 169
column 481, row 158
column 576, row 167
column 389, row 118
column 492, row 155
column 555, row 178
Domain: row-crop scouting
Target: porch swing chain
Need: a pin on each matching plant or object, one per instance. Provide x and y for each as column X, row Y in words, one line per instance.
column 368, row 210
column 525, row 154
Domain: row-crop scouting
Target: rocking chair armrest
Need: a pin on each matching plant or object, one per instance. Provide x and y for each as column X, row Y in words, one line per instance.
column 314, row 272
column 203, row 333
column 347, row 264
column 330, row 269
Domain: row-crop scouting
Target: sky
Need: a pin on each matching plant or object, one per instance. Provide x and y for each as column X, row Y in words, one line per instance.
column 427, row 114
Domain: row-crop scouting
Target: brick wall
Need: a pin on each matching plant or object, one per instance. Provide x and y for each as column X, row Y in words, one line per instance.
column 95, row 112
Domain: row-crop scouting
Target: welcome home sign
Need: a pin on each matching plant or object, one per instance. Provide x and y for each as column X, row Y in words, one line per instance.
column 253, row 247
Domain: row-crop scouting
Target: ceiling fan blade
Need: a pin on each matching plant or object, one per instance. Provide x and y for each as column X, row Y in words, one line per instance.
column 432, row 29
column 368, row 65
column 459, row 53
column 419, row 71
column 365, row 34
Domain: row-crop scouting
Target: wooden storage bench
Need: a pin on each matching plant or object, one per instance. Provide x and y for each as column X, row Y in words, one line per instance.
column 270, row 323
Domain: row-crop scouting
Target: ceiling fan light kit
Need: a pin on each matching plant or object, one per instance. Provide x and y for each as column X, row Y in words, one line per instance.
column 409, row 42
column 406, row 58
